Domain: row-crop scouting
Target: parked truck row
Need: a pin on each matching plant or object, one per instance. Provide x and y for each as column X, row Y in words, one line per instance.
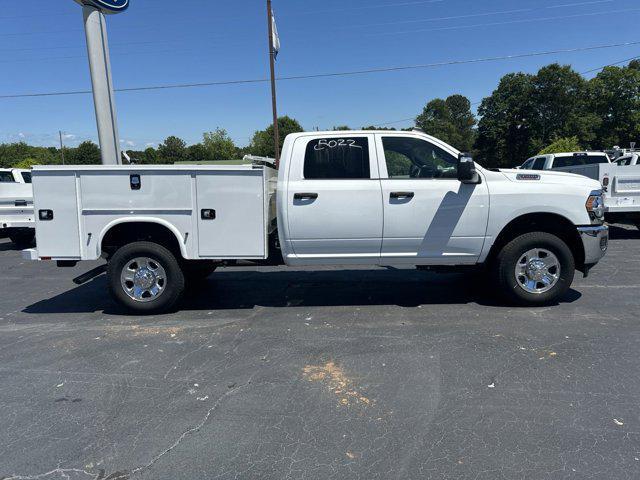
column 338, row 198
column 16, row 206
column 620, row 179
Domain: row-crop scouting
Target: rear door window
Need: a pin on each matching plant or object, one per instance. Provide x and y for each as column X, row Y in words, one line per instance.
column 337, row 158
column 26, row 177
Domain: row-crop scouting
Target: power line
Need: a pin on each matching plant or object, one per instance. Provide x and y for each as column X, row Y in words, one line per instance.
column 510, row 22
column 610, row 65
column 482, row 14
column 334, row 74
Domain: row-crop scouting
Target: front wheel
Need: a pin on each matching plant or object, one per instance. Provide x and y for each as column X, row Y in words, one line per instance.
column 535, row 269
column 145, row 277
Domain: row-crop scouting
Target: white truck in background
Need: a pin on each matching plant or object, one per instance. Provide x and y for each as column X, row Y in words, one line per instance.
column 338, row 198
column 620, row 179
column 16, row 206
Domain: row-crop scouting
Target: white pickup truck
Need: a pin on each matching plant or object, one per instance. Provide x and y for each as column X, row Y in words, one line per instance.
column 620, row 180
column 16, row 206
column 356, row 197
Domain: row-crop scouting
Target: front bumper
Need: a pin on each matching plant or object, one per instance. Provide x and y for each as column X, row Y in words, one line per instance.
column 595, row 240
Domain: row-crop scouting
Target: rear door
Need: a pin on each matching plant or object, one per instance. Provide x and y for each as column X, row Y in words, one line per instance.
column 334, row 201
column 430, row 217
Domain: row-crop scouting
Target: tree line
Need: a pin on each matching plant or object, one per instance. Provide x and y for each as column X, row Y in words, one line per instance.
column 556, row 109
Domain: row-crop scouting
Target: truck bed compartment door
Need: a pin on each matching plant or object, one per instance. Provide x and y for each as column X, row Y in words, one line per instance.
column 57, row 235
column 231, row 214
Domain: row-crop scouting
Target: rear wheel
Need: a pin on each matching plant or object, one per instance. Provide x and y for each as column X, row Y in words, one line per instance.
column 23, row 239
column 535, row 269
column 145, row 277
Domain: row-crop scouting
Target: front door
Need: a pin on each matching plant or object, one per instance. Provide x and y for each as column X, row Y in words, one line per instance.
column 334, row 201
column 430, row 217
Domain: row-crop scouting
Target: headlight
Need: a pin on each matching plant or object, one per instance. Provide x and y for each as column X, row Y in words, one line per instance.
column 595, row 205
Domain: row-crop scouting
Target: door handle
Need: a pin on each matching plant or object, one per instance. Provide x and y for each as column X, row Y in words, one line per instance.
column 402, row 194
column 305, row 196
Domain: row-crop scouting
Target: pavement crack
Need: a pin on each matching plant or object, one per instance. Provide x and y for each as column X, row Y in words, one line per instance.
column 193, row 429
column 63, row 472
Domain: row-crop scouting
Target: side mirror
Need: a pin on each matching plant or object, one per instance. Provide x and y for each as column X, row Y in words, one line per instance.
column 467, row 169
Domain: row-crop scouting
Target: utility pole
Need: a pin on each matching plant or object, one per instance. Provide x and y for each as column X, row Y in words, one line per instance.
column 272, row 66
column 61, row 146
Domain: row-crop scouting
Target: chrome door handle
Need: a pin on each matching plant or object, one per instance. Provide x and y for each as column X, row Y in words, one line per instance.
column 402, row 194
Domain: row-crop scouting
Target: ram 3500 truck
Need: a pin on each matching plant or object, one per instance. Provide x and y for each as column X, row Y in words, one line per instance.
column 338, row 198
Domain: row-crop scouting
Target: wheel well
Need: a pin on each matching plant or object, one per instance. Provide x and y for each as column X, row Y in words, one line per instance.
column 129, row 232
column 541, row 222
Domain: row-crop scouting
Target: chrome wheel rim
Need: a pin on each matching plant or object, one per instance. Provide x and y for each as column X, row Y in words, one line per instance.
column 143, row 279
column 537, row 271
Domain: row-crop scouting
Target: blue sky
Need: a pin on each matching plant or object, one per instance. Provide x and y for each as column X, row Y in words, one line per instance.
column 42, row 49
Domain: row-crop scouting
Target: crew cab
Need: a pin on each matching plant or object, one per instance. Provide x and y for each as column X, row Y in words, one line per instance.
column 16, row 206
column 338, row 198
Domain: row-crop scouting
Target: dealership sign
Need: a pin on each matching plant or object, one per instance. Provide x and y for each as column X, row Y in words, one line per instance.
column 107, row 6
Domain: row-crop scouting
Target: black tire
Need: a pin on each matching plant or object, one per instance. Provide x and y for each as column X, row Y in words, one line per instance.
column 509, row 257
column 173, row 285
column 23, row 239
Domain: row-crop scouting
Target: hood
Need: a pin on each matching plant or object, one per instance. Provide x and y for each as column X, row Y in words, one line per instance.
column 552, row 177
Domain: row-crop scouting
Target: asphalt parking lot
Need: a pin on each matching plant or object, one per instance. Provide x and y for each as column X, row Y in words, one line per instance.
column 274, row 373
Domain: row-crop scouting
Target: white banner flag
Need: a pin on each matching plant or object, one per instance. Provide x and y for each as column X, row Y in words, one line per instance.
column 276, row 37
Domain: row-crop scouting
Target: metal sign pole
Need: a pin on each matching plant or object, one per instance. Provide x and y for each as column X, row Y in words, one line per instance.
column 103, row 97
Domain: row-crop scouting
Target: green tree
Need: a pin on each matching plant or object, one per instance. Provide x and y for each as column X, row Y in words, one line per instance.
column 197, row 153
column 341, row 128
column 505, row 128
column 150, row 155
column 559, row 97
column 450, row 120
column 87, row 153
column 263, row 144
column 373, row 127
column 615, row 98
column 219, row 145
column 562, row 145
column 172, row 150
column 27, row 163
